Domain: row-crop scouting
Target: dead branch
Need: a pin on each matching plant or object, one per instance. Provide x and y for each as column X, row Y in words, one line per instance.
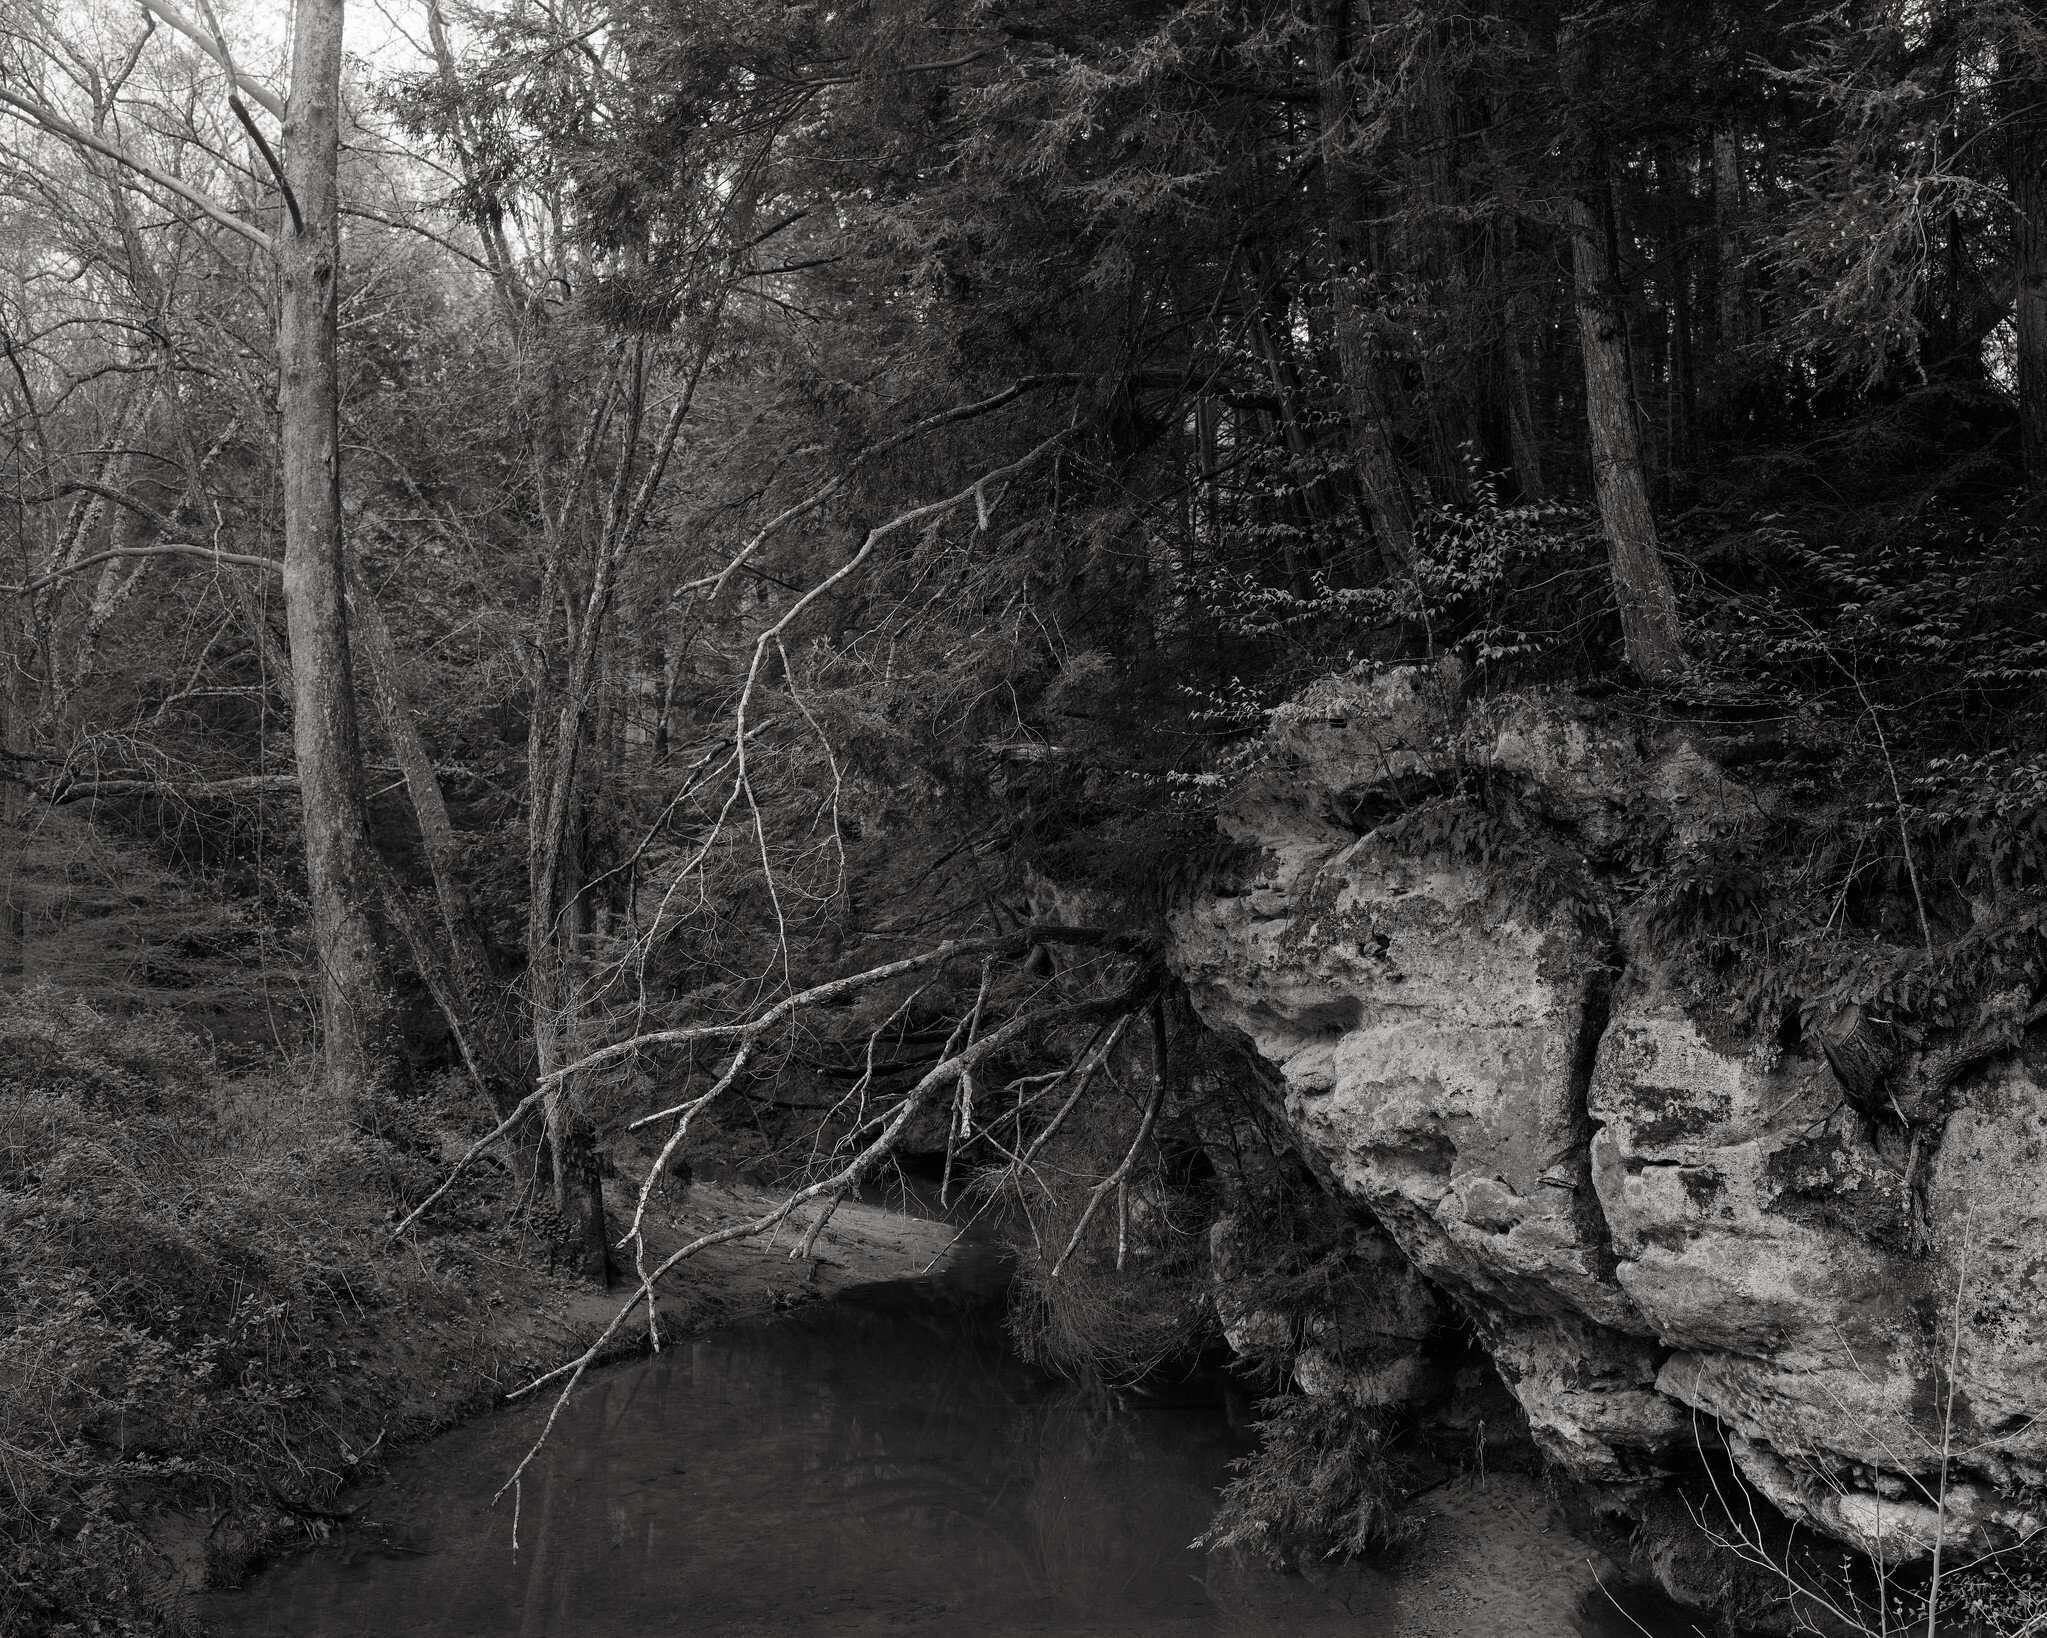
column 843, row 1181
column 1116, row 1179
column 95, row 790
column 162, row 549
column 1089, row 1066
column 1010, row 944
column 824, row 1216
column 748, row 1033
column 240, row 110
column 818, row 497
column 210, row 43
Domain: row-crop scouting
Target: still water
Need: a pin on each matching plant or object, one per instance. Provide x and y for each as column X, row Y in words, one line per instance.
column 881, row 1464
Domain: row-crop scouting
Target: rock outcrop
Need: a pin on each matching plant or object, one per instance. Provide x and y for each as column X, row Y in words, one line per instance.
column 1670, row 1227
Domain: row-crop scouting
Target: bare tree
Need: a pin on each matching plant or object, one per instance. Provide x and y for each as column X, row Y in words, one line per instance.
column 340, row 860
column 304, row 255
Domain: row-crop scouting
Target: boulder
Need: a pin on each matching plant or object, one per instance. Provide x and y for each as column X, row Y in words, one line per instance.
column 1672, row 1229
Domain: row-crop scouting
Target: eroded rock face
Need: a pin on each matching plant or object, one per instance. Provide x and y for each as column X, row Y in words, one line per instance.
column 1360, row 1335
column 1669, row 1229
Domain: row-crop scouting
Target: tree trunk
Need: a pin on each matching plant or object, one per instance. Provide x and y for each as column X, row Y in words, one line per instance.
column 340, row 867
column 1524, row 435
column 1648, row 602
column 553, row 959
column 1524, row 441
column 2026, row 175
column 1434, row 261
column 555, row 996
column 1674, row 264
column 1359, row 346
column 563, row 723
column 457, row 968
column 1310, row 499
column 1730, row 301
column 13, row 824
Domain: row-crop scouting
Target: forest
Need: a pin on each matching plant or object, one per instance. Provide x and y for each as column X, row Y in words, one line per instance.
column 598, row 591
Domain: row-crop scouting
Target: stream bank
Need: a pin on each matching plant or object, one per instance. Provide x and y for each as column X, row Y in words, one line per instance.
column 884, row 1462
column 439, row 1371
column 299, row 1364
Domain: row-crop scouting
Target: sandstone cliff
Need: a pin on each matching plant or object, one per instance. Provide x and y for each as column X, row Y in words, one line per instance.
column 1670, row 1225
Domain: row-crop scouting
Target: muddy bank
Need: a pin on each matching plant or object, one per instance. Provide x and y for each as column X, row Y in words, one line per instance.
column 432, row 1371
column 1498, row 1558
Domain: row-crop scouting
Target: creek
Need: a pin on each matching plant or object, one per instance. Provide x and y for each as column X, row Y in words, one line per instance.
column 882, row 1463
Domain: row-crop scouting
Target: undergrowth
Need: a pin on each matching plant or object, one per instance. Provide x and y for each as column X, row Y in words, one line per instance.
column 196, row 1270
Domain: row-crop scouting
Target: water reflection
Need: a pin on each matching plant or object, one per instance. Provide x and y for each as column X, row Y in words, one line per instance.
column 876, row 1465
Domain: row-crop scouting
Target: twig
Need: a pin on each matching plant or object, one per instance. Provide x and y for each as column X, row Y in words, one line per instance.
column 1116, row 1178
column 844, row 1180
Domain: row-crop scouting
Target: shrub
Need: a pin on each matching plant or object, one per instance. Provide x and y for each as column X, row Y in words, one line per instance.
column 1322, row 1483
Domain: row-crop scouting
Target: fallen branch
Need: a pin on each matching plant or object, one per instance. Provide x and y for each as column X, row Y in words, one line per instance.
column 92, row 790
column 1116, row 1179
column 1010, row 944
column 845, row 1180
column 1088, row 1066
column 747, row 1033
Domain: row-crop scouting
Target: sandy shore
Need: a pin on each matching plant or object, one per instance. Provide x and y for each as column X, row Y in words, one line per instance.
column 744, row 1279
column 1497, row 1560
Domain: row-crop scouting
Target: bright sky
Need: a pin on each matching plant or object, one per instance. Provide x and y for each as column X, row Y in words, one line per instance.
column 388, row 34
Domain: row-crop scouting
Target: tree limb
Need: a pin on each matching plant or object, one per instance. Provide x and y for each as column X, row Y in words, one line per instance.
column 267, row 99
column 85, row 790
column 49, row 119
column 1116, row 1179
column 959, row 412
column 240, row 110
column 1017, row 943
column 747, row 1033
column 162, row 549
column 845, row 1179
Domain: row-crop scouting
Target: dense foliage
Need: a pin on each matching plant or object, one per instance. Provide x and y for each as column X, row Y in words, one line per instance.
column 1163, row 264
